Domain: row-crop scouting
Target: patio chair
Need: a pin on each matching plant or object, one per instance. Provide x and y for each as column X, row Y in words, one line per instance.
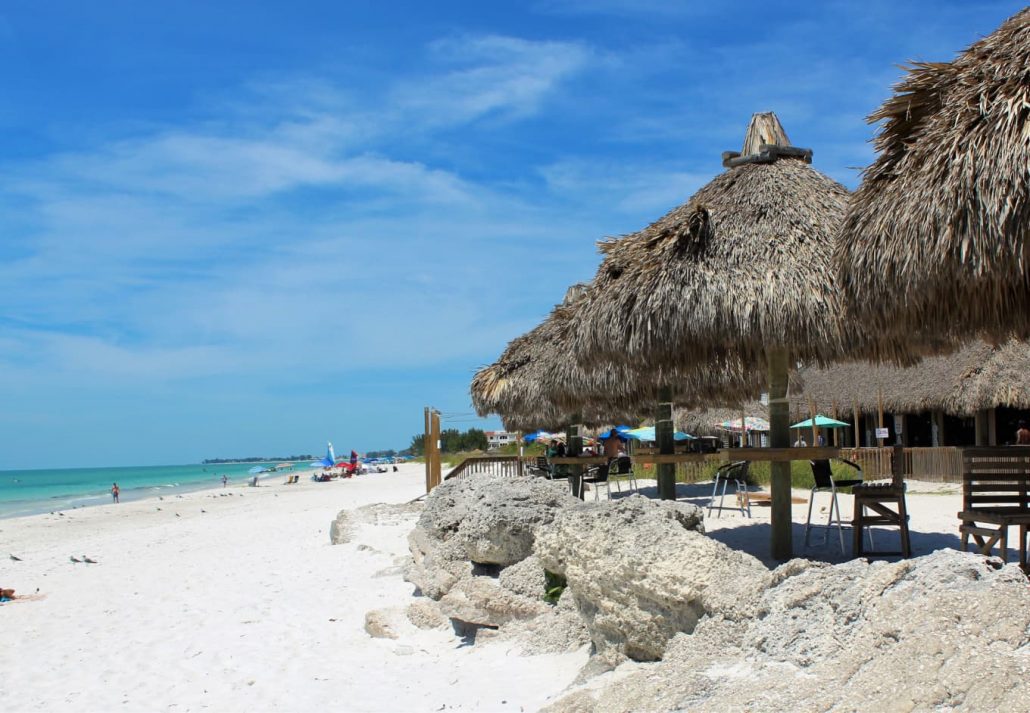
column 822, row 473
column 596, row 477
column 542, row 468
column 623, row 466
column 737, row 472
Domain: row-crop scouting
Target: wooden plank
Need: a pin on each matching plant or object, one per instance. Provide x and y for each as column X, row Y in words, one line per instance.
column 582, row 460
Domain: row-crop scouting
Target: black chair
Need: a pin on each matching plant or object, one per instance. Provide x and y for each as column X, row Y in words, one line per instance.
column 822, row 473
column 542, row 468
column 597, row 476
column 737, row 472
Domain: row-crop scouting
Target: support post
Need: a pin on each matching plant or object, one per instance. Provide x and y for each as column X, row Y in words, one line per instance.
column 574, row 450
column 980, row 424
column 858, row 433
column 938, row 429
column 815, row 428
column 425, row 452
column 836, row 431
column 779, row 437
column 879, row 411
column 992, row 427
column 434, row 418
column 664, row 434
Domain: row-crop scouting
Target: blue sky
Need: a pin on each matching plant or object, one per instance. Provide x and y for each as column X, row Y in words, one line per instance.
column 235, row 228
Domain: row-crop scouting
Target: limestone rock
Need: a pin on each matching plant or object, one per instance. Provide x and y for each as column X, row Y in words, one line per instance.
column 481, row 601
column 640, row 571
column 525, row 578
column 559, row 629
column 341, row 529
column 425, row 614
column 947, row 631
column 377, row 625
column 482, row 519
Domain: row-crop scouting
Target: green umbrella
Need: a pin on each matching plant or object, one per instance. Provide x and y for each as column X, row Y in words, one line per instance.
column 822, row 422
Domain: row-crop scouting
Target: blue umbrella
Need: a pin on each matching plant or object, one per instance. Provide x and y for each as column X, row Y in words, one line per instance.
column 257, row 469
column 617, row 432
column 647, row 433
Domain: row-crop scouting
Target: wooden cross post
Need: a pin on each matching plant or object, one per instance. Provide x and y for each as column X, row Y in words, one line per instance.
column 879, row 409
column 425, row 452
column 779, row 437
column 575, row 450
column 435, row 429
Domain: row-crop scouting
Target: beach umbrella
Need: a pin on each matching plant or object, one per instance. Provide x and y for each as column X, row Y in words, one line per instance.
column 936, row 242
column 647, row 433
column 257, row 469
column 617, row 432
column 740, row 271
column 821, row 422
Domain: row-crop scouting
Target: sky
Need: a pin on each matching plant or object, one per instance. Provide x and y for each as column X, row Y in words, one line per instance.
column 239, row 228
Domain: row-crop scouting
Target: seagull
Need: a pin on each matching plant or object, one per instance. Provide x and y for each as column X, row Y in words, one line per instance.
column 76, row 561
column 177, row 515
column 87, row 560
column 15, row 558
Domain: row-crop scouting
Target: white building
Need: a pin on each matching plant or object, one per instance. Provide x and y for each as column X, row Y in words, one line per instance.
column 497, row 439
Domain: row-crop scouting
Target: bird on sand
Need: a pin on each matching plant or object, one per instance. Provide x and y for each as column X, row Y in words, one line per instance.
column 16, row 558
column 87, row 560
column 76, row 561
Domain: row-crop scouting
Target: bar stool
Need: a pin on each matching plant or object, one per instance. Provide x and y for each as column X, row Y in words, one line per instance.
column 623, row 466
column 822, row 473
column 737, row 472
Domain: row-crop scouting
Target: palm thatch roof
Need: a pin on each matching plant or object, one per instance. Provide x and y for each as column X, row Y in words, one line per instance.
column 536, row 382
column 976, row 376
column 742, row 267
column 937, row 238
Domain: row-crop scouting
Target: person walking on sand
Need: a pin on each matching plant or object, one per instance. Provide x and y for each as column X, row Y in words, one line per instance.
column 1023, row 435
column 114, row 492
column 225, row 479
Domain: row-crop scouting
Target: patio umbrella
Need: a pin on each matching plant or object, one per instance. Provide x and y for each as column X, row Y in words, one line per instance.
column 936, row 242
column 821, row 422
column 647, row 433
column 742, row 270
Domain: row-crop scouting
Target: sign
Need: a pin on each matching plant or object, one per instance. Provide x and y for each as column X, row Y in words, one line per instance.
column 883, row 433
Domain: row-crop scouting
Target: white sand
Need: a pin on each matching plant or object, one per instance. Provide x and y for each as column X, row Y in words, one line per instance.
column 248, row 606
column 244, row 607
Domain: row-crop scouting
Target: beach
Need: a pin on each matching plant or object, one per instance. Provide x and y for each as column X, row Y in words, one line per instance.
column 238, row 602
column 234, row 599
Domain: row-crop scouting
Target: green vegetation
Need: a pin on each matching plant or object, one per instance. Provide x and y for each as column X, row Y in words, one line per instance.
column 554, row 585
column 452, row 441
column 258, row 459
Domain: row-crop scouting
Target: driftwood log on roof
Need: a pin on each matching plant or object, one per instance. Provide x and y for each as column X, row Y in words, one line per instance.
column 976, row 376
column 935, row 243
column 742, row 267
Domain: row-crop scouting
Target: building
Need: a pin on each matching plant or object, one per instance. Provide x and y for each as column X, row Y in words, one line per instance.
column 498, row 439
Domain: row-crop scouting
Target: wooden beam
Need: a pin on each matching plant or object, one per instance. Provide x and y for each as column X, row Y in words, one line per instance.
column 836, row 431
column 858, row 432
column 879, row 410
column 425, row 451
column 574, row 450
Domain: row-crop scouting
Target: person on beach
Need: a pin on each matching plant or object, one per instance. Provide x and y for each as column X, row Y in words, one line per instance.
column 801, row 442
column 114, row 492
column 225, row 480
column 1023, row 434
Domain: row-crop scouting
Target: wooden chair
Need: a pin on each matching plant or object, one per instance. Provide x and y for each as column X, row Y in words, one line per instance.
column 994, row 498
column 879, row 498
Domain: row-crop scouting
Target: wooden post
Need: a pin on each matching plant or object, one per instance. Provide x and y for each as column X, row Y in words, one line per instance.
column 938, row 422
column 836, row 431
column 858, row 433
column 815, row 428
column 574, row 450
column 879, row 410
column 980, row 423
column 743, row 428
column 437, row 461
column 663, row 428
column 992, row 427
column 425, row 452
column 779, row 437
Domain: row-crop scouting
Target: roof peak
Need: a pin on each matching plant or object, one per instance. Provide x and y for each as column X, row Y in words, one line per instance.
column 765, row 142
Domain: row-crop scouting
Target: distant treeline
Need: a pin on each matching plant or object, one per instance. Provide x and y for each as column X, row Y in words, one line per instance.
column 452, row 441
column 257, row 459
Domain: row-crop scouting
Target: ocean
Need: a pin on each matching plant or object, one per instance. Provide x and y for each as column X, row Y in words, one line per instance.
column 30, row 492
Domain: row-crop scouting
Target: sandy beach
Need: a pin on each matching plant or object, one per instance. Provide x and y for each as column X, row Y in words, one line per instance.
column 238, row 602
column 235, row 599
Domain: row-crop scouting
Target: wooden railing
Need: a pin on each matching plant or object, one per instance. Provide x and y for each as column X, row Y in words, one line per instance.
column 506, row 466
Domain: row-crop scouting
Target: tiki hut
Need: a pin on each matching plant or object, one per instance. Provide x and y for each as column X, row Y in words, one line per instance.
column 536, row 383
column 742, row 270
column 935, row 242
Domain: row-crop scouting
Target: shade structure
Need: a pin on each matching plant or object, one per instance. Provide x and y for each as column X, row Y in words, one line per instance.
column 750, row 423
column 821, row 422
column 935, row 243
column 537, row 383
column 742, row 267
column 741, row 271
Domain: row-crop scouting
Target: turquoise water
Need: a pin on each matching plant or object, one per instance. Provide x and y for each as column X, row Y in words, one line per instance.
column 29, row 492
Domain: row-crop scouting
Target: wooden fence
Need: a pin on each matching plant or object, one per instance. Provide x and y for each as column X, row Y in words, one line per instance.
column 505, row 466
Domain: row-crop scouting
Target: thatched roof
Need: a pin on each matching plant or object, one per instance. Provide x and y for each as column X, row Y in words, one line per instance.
column 743, row 266
column 536, row 381
column 977, row 376
column 937, row 238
